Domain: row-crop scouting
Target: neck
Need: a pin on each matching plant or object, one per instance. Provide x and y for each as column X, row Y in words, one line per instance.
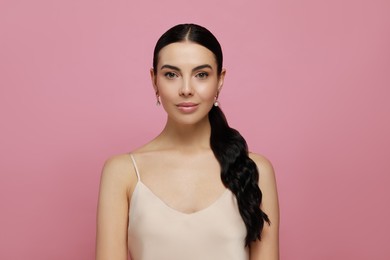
column 186, row 137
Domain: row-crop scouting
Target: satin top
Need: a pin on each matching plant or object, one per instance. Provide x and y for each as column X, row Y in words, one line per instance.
column 159, row 232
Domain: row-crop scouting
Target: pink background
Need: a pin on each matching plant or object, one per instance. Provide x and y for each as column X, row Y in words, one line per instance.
column 308, row 85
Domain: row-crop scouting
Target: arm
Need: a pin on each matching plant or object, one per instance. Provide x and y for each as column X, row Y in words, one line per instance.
column 268, row 247
column 112, row 213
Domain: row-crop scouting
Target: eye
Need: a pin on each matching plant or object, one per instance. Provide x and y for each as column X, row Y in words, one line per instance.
column 202, row 75
column 170, row 75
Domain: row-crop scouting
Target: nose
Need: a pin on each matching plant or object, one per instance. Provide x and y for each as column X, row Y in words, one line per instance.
column 186, row 88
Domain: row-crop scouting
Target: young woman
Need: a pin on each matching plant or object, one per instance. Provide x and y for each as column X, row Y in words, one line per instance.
column 194, row 192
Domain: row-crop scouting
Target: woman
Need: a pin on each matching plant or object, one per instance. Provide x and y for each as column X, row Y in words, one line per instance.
column 193, row 191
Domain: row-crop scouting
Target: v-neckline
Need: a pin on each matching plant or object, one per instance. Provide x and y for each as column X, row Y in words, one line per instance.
column 166, row 205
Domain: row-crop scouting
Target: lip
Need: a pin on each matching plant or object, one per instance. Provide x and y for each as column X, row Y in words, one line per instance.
column 187, row 107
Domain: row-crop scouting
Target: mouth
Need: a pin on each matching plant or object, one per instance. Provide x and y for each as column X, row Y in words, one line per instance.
column 186, row 104
column 187, row 107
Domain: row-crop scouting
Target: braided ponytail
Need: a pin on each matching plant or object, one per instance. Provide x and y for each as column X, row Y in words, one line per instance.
column 238, row 173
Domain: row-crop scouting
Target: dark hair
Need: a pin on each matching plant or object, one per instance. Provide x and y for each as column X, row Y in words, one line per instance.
column 238, row 172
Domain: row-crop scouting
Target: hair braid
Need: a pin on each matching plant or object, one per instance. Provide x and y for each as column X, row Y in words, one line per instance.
column 239, row 173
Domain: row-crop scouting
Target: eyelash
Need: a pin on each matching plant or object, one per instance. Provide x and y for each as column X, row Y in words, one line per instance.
column 170, row 75
column 200, row 75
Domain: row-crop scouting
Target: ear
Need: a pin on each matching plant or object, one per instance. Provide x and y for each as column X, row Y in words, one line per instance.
column 154, row 80
column 221, row 80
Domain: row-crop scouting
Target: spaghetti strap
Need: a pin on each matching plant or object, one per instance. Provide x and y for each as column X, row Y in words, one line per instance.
column 135, row 167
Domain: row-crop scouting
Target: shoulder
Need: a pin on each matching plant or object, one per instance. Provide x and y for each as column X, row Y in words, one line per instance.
column 267, row 178
column 268, row 247
column 263, row 164
column 118, row 171
column 118, row 162
column 113, row 208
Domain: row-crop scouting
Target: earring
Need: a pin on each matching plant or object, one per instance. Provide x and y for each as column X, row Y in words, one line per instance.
column 216, row 102
column 158, row 103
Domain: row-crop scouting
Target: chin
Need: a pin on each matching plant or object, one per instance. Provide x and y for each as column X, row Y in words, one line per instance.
column 190, row 119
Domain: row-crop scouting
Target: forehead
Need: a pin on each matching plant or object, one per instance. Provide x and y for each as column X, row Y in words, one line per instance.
column 186, row 54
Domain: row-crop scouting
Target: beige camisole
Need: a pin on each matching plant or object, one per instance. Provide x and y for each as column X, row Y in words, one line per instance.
column 159, row 232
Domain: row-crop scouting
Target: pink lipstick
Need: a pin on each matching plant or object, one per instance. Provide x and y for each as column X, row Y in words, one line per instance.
column 187, row 107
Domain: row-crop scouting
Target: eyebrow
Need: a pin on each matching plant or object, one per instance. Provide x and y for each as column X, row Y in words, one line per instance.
column 167, row 66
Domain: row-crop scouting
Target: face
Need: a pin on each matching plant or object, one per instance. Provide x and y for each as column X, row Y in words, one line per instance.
column 187, row 81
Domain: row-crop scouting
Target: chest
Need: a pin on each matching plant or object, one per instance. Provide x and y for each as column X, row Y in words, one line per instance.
column 156, row 228
column 185, row 186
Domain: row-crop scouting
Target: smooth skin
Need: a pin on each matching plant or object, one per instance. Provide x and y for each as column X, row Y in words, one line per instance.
column 184, row 173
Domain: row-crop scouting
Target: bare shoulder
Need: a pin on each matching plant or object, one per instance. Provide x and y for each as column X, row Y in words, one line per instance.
column 267, row 184
column 265, row 167
column 267, row 180
column 118, row 163
column 113, row 206
column 119, row 171
column 268, row 247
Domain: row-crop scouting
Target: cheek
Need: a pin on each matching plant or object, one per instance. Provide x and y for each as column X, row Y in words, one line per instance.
column 167, row 88
column 207, row 91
